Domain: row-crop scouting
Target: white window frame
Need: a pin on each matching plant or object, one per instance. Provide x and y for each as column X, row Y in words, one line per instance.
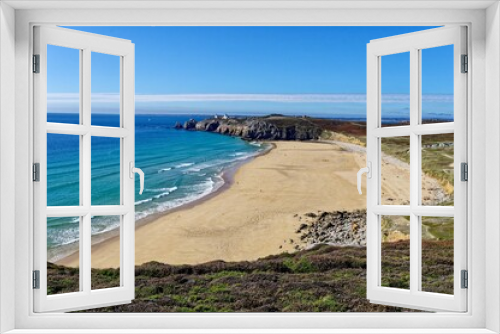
column 484, row 47
column 86, row 44
column 414, row 43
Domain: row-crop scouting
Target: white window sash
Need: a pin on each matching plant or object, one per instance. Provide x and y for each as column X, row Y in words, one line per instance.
column 414, row 297
column 86, row 297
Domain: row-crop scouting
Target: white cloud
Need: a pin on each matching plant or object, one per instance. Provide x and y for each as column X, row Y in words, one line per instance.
column 103, row 98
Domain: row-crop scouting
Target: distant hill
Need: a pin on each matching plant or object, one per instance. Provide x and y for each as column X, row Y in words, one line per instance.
column 273, row 127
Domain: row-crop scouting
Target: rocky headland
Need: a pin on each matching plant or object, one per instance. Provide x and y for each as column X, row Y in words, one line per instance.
column 273, row 127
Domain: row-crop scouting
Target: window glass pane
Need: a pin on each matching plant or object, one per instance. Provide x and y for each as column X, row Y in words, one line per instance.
column 105, row 171
column 105, row 96
column 395, row 89
column 437, row 84
column 105, row 252
column 395, row 254
column 63, row 170
column 63, row 85
column 438, row 169
column 63, row 242
column 437, row 254
column 395, row 171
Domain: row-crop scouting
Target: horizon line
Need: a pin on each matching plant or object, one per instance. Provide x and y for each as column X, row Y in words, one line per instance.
column 58, row 98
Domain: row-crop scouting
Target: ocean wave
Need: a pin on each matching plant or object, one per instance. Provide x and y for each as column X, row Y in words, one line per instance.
column 186, row 164
column 254, row 143
column 194, row 192
column 161, row 195
column 163, row 170
column 143, row 201
column 161, row 189
column 166, row 191
column 193, row 169
column 214, row 164
column 238, row 154
column 105, row 224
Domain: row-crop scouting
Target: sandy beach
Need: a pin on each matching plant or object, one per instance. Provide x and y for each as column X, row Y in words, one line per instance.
column 258, row 214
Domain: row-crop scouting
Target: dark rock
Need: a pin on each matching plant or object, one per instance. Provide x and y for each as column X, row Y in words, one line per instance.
column 178, row 126
column 190, row 125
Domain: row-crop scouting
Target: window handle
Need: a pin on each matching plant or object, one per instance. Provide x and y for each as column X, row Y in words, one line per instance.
column 134, row 170
column 368, row 171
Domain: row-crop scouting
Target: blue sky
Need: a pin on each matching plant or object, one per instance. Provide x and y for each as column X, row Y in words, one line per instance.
column 304, row 70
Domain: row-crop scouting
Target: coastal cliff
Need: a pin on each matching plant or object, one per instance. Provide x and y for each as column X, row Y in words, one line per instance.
column 274, row 127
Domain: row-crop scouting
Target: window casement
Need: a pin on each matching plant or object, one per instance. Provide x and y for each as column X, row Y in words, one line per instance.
column 83, row 132
column 416, row 211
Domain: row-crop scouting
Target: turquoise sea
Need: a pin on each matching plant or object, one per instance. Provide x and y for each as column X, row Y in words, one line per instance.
column 179, row 167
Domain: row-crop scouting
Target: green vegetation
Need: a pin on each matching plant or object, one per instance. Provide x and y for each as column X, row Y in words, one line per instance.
column 440, row 228
column 301, row 265
column 323, row 279
column 62, row 279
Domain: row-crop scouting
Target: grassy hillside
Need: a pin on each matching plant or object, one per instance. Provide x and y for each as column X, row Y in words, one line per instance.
column 323, row 279
column 437, row 159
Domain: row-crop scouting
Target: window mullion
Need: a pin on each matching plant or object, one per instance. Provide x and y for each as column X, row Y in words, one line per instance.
column 85, row 244
column 414, row 170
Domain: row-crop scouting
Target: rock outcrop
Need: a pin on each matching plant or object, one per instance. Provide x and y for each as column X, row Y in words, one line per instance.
column 341, row 228
column 259, row 128
column 190, row 124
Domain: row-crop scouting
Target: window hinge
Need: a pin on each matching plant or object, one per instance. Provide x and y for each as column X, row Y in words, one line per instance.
column 465, row 64
column 465, row 279
column 36, row 279
column 36, row 172
column 36, row 63
column 464, row 171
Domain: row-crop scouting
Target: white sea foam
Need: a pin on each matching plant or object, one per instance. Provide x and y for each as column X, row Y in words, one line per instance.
column 194, row 193
column 238, row 154
column 193, row 169
column 143, row 201
column 186, row 164
column 162, row 189
column 163, row 170
column 164, row 192
column 220, row 162
column 254, row 143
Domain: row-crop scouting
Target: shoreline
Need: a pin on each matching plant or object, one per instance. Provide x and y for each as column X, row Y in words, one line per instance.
column 259, row 209
column 228, row 179
column 227, row 176
column 256, row 214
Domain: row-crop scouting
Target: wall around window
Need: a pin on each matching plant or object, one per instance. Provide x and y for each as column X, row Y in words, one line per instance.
column 258, row 17
column 7, row 160
column 492, row 209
